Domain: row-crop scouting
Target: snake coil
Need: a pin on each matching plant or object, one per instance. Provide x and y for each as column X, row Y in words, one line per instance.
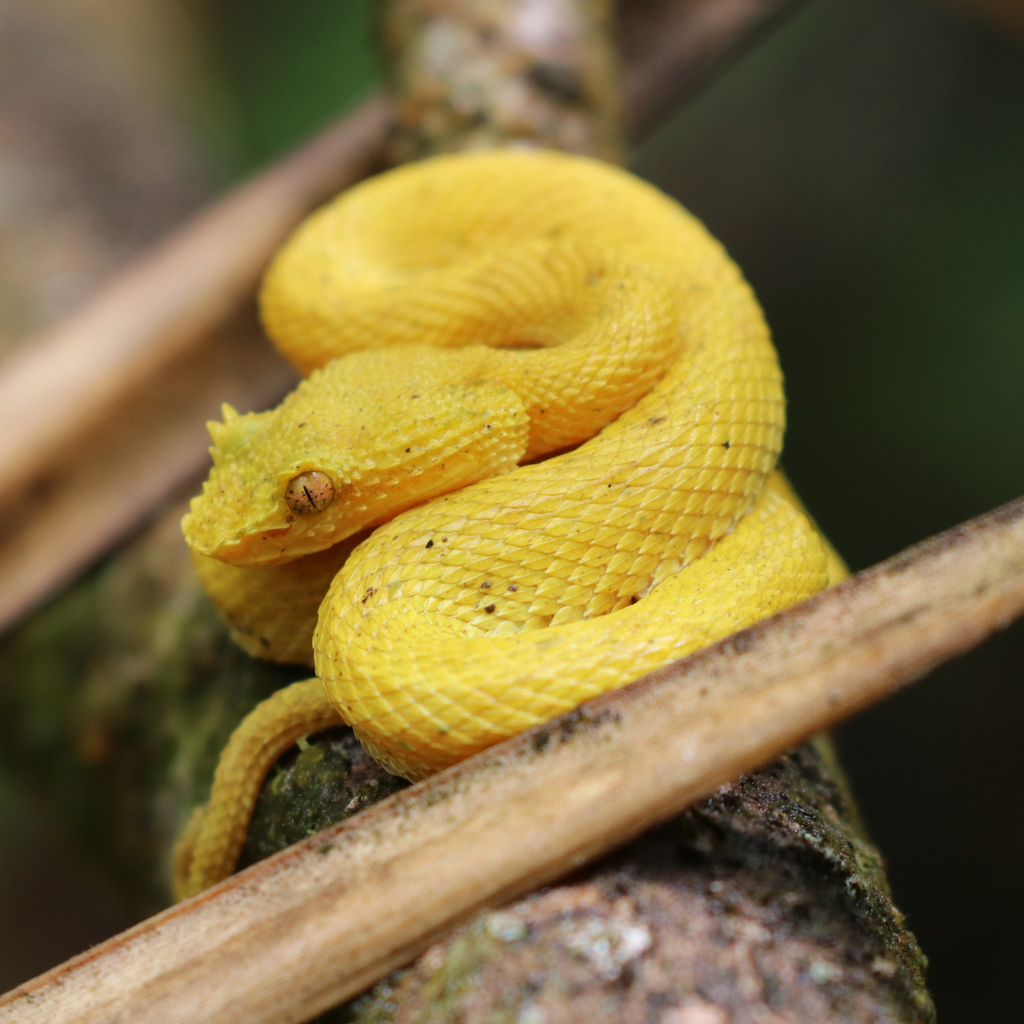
column 553, row 398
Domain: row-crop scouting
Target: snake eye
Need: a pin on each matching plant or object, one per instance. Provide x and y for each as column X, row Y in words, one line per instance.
column 309, row 493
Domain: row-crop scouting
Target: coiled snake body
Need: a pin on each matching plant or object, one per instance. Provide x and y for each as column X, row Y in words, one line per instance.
column 491, row 310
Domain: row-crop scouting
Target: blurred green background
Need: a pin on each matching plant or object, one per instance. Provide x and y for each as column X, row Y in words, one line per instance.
column 284, row 70
column 864, row 163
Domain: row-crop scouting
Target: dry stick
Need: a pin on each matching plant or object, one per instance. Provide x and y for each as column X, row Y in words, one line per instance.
column 187, row 285
column 79, row 463
column 102, row 419
column 671, row 45
column 319, row 922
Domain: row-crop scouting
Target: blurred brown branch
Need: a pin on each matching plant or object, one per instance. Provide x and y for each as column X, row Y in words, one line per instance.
column 671, row 46
column 75, row 460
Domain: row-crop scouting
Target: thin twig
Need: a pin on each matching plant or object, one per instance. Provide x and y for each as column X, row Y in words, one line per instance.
column 319, row 922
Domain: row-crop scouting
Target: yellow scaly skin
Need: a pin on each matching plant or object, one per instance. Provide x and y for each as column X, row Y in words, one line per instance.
column 492, row 309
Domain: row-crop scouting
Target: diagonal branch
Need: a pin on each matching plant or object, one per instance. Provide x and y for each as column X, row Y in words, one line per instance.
column 671, row 47
column 303, row 930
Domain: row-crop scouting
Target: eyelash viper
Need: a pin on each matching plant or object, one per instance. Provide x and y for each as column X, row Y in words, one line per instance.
column 461, row 320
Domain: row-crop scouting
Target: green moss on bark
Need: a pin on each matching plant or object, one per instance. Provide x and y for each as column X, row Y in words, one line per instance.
column 323, row 781
column 116, row 700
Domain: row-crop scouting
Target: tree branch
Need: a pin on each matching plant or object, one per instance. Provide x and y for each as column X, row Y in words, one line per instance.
column 317, row 923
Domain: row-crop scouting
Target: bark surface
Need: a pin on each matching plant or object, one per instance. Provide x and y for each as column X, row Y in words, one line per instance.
column 470, row 75
column 762, row 904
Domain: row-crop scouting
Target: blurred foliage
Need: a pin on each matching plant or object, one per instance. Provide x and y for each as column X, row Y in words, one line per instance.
column 287, row 68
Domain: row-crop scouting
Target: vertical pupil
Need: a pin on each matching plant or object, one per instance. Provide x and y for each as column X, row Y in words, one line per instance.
column 309, row 493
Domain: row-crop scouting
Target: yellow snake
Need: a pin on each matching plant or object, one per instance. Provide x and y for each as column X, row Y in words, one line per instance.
column 461, row 320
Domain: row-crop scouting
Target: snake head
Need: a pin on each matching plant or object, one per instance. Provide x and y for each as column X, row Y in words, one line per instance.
column 269, row 496
column 275, row 488
column 357, row 442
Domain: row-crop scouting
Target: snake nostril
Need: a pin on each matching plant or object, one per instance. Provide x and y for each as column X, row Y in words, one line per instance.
column 309, row 493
